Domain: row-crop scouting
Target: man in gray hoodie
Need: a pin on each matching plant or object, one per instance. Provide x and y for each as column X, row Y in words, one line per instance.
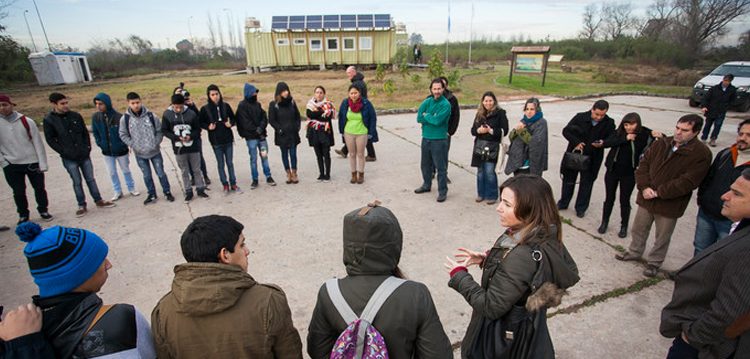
column 22, row 155
column 140, row 129
column 182, row 127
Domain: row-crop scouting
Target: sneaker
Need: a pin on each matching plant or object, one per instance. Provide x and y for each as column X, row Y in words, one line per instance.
column 370, row 159
column 226, row 188
column 340, row 153
column 254, row 185
column 135, row 193
column 580, row 214
column 448, row 180
column 81, row 211
column 270, row 181
column 320, row 178
column 202, row 194
column 560, row 206
column 22, row 219
column 188, row 196
column 105, row 204
column 208, row 181
column 4, row 228
column 421, row 190
column 478, row 199
column 491, row 202
column 627, row 256
column 45, row 216
column 327, row 178
column 441, row 198
column 150, row 199
column 169, row 197
column 234, row 188
column 651, row 271
column 116, row 197
column 712, row 143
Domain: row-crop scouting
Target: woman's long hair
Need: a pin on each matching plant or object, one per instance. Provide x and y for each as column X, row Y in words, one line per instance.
column 535, row 206
column 482, row 112
column 632, row 117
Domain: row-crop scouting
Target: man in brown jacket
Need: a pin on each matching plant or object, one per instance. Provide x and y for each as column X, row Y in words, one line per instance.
column 666, row 177
column 216, row 309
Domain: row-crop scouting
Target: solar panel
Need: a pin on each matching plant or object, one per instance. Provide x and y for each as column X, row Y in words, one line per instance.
column 349, row 21
column 331, row 22
column 279, row 22
column 364, row 21
column 314, row 22
column 382, row 20
column 296, row 22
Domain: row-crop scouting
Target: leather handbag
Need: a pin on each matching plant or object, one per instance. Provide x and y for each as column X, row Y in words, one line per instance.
column 575, row 161
column 486, row 150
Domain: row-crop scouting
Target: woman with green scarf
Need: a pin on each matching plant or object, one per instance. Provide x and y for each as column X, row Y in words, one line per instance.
column 528, row 142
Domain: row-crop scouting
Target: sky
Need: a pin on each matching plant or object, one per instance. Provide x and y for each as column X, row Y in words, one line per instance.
column 83, row 23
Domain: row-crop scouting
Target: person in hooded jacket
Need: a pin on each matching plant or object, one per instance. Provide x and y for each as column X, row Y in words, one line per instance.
column 630, row 142
column 284, row 117
column 408, row 320
column 512, row 268
column 218, row 118
column 69, row 266
column 215, row 308
column 105, row 124
column 490, row 125
column 251, row 125
column 528, row 152
column 181, row 125
column 320, row 113
column 180, row 90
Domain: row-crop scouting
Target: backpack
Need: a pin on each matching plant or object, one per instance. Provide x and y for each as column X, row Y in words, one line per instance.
column 360, row 339
column 25, row 124
column 150, row 117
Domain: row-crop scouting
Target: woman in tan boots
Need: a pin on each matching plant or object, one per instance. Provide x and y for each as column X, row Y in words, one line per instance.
column 357, row 122
column 284, row 117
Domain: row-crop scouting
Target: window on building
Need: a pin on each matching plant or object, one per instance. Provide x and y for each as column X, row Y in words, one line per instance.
column 282, row 42
column 332, row 44
column 316, row 44
column 349, row 44
column 365, row 43
column 299, row 42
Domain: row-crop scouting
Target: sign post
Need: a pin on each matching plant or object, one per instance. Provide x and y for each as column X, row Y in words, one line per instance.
column 529, row 60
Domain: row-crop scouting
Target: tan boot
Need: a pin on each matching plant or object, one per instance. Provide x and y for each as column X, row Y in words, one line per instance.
column 354, row 178
column 361, row 178
column 288, row 176
column 295, row 179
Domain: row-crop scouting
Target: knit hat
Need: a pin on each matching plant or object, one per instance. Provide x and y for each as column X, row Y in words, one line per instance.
column 6, row 98
column 61, row 258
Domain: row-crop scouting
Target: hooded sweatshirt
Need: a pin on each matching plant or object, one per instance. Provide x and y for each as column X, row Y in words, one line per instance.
column 16, row 147
column 106, row 129
column 285, row 119
column 251, row 118
column 219, row 309
column 141, row 132
column 408, row 320
column 185, row 123
column 219, row 114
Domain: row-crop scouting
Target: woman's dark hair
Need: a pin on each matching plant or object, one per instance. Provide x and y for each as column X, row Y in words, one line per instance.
column 354, row 86
column 632, row 117
column 536, row 103
column 482, row 112
column 204, row 239
column 320, row 87
column 535, row 206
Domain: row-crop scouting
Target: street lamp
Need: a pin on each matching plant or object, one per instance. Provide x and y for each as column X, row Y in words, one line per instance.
column 190, row 30
column 29, row 28
column 42, row 22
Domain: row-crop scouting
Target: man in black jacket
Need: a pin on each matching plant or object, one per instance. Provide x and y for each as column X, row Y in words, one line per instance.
column 66, row 133
column 728, row 165
column 181, row 126
column 715, row 105
column 588, row 132
column 251, row 125
column 358, row 79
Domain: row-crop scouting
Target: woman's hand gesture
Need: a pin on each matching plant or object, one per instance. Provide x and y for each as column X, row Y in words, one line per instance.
column 469, row 258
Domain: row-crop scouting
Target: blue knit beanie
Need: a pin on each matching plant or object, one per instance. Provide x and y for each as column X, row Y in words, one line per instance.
column 61, row 258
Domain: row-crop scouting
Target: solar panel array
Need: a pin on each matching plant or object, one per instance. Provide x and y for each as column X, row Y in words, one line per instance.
column 326, row 22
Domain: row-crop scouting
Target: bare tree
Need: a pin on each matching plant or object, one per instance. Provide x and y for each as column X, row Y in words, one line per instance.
column 219, row 31
column 211, row 31
column 658, row 20
column 591, row 22
column 230, row 32
column 4, row 4
column 699, row 21
column 617, row 19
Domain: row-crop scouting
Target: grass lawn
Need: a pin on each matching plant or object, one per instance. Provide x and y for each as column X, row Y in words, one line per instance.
column 410, row 90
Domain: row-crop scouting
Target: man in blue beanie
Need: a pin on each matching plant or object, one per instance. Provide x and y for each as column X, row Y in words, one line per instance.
column 69, row 265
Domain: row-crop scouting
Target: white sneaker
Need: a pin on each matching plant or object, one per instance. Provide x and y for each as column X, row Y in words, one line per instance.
column 135, row 193
column 116, row 197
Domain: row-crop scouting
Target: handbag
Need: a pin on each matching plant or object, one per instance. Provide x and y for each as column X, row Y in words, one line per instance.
column 486, row 150
column 575, row 161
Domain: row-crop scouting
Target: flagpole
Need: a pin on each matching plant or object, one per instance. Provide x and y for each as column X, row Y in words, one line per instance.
column 447, row 38
column 471, row 30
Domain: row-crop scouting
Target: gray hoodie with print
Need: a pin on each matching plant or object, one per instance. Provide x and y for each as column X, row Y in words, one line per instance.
column 141, row 133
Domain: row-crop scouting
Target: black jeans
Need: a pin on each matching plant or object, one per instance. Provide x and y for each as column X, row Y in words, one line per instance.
column 681, row 350
column 627, row 184
column 323, row 155
column 16, row 177
column 584, row 189
column 370, row 149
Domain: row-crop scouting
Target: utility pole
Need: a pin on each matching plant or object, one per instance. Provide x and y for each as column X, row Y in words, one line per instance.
column 42, row 22
column 190, row 30
column 471, row 31
column 29, row 28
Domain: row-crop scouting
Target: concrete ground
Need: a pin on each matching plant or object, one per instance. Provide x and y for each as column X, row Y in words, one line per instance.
column 294, row 231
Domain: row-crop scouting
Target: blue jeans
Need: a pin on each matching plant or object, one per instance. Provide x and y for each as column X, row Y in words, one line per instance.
column 124, row 162
column 709, row 230
column 289, row 155
column 487, row 181
column 75, row 170
column 716, row 122
column 435, row 156
column 158, row 163
column 224, row 154
column 254, row 147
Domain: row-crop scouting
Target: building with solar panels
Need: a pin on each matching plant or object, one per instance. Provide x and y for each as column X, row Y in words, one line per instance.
column 317, row 41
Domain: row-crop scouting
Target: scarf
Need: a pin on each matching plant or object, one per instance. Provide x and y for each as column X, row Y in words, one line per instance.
column 355, row 106
column 326, row 107
column 527, row 121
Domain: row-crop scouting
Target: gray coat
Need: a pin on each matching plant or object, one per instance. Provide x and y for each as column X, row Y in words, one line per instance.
column 535, row 151
column 141, row 134
column 711, row 291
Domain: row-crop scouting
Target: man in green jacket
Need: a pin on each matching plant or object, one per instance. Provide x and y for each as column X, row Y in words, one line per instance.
column 433, row 115
column 216, row 309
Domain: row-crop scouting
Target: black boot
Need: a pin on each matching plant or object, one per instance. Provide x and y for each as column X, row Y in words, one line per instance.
column 606, row 212
column 625, row 213
column 327, row 160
